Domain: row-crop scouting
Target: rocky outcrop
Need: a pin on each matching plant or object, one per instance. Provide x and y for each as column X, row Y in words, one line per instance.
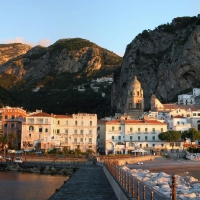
column 10, row 51
column 70, row 55
column 165, row 60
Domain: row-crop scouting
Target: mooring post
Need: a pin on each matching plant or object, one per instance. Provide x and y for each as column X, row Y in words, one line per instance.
column 138, row 190
column 132, row 195
column 174, row 187
column 144, row 192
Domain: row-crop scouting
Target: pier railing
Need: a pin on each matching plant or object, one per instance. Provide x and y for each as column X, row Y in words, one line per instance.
column 135, row 188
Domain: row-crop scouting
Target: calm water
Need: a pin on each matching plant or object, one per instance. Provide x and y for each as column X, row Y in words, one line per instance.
column 25, row 186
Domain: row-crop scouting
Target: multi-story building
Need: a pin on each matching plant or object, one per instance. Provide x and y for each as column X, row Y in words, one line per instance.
column 124, row 136
column 11, row 121
column 42, row 131
column 101, row 131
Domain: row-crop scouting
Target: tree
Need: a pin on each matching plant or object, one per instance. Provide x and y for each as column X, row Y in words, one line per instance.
column 65, row 151
column 77, row 151
column 89, row 151
column 170, row 136
column 11, row 139
column 192, row 133
column 3, row 141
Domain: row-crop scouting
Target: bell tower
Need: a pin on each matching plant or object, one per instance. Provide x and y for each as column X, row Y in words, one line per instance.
column 135, row 100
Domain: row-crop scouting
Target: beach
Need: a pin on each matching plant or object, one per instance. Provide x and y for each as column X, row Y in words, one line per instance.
column 168, row 166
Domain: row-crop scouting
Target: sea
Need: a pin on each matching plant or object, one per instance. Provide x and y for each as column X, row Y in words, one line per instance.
column 26, row 186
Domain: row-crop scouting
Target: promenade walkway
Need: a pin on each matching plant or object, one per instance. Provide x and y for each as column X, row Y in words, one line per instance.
column 88, row 183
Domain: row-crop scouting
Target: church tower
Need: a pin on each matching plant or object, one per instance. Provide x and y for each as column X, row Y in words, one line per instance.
column 135, row 100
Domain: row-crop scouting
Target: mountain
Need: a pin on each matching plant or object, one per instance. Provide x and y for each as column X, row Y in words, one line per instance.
column 165, row 60
column 48, row 78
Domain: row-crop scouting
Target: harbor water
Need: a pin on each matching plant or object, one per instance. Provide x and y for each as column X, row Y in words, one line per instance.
column 26, row 186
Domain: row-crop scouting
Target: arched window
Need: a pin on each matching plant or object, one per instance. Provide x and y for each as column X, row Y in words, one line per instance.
column 31, row 128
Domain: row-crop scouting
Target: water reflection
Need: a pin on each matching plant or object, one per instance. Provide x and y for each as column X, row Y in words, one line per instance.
column 18, row 186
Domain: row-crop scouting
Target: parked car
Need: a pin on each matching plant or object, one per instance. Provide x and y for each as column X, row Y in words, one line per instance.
column 19, row 151
column 11, row 151
column 7, row 158
column 18, row 160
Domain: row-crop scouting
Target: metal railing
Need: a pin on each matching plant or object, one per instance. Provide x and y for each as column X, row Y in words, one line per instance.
column 135, row 188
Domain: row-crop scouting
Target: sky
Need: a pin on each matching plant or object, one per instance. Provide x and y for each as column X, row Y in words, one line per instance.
column 111, row 24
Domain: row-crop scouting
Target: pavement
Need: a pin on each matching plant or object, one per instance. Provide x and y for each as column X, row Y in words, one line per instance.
column 89, row 182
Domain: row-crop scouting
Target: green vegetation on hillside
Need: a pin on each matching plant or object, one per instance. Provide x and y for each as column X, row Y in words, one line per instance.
column 71, row 44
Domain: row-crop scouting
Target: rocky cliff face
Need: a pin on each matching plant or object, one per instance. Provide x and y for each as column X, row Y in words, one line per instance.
column 10, row 51
column 165, row 60
column 66, row 55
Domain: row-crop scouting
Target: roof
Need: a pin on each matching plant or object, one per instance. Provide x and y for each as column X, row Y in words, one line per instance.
column 178, row 116
column 101, row 121
column 62, row 116
column 114, row 122
column 142, row 122
column 193, row 107
column 42, row 114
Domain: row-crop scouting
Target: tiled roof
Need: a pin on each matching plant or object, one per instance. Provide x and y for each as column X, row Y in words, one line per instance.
column 178, row 116
column 42, row 114
column 179, row 106
column 62, row 116
column 113, row 122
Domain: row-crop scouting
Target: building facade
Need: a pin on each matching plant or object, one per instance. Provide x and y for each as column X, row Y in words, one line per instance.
column 42, row 131
column 11, row 119
column 124, row 136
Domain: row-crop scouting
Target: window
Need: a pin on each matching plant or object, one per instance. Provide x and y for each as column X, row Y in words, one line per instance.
column 98, row 128
column 140, row 145
column 153, row 129
column 153, row 145
column 161, row 129
column 146, row 129
column 178, row 122
column 90, row 140
column 13, row 117
column 82, row 123
column 146, row 137
column 31, row 128
column 138, row 129
column 12, row 126
column 194, row 114
column 147, row 145
column 131, row 137
column 188, row 115
column 66, row 139
column 153, row 138
column 138, row 138
column 5, row 126
column 119, row 128
column 40, row 120
column 40, row 130
column 113, row 137
column 76, row 123
column 119, row 137
column 66, row 123
column 58, row 122
column 75, row 139
column 6, row 116
column 29, row 135
column 66, row 131
column 131, row 129
column 75, row 131
column 81, row 139
column 90, row 131
column 162, row 145
column 58, row 130
column 81, row 131
column 198, row 114
column 90, row 123
column 46, row 130
column 113, row 128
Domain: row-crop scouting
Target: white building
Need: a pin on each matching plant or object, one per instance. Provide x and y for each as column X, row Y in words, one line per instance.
column 124, row 136
column 42, row 131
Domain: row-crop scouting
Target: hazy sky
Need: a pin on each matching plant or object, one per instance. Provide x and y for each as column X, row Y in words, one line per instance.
column 111, row 24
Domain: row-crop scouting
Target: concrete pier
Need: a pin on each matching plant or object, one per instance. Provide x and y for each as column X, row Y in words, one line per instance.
column 89, row 182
